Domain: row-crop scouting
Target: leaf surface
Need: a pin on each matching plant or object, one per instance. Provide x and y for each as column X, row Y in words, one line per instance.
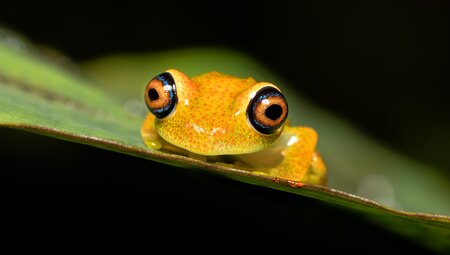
column 107, row 110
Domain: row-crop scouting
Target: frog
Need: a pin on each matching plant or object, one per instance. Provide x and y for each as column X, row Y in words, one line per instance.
column 236, row 122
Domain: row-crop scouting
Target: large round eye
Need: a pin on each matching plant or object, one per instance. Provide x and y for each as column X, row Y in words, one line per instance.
column 161, row 96
column 268, row 110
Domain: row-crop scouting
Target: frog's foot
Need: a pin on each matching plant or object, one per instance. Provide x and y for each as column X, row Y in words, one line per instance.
column 317, row 172
column 291, row 157
column 297, row 155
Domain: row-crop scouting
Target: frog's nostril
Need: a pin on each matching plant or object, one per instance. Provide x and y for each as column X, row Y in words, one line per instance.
column 273, row 112
column 153, row 94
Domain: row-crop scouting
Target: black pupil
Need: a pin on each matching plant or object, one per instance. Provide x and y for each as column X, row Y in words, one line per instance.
column 153, row 94
column 273, row 112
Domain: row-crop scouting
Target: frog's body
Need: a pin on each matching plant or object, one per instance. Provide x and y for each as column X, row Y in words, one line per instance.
column 222, row 118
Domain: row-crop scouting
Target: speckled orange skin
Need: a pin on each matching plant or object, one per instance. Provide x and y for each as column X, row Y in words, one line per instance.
column 210, row 119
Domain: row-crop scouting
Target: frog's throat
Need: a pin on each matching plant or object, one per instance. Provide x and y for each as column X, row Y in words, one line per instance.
column 216, row 149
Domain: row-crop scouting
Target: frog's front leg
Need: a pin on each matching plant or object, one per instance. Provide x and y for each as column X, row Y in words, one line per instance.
column 154, row 141
column 317, row 172
column 300, row 160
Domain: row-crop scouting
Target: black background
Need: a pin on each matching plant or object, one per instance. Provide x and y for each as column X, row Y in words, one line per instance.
column 383, row 65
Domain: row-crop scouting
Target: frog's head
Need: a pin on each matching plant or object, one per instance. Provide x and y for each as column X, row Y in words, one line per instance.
column 216, row 114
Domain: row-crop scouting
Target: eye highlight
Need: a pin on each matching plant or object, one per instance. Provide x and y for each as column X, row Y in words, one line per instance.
column 161, row 95
column 267, row 110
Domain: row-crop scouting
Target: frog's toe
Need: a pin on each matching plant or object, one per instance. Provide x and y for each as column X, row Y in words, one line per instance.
column 259, row 173
column 155, row 145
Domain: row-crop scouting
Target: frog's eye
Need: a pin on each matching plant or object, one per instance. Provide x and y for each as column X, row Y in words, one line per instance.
column 161, row 96
column 267, row 110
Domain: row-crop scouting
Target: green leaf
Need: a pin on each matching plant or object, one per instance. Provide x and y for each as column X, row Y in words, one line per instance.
column 107, row 111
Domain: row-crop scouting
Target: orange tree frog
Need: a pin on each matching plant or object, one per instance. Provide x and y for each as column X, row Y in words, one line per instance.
column 227, row 120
